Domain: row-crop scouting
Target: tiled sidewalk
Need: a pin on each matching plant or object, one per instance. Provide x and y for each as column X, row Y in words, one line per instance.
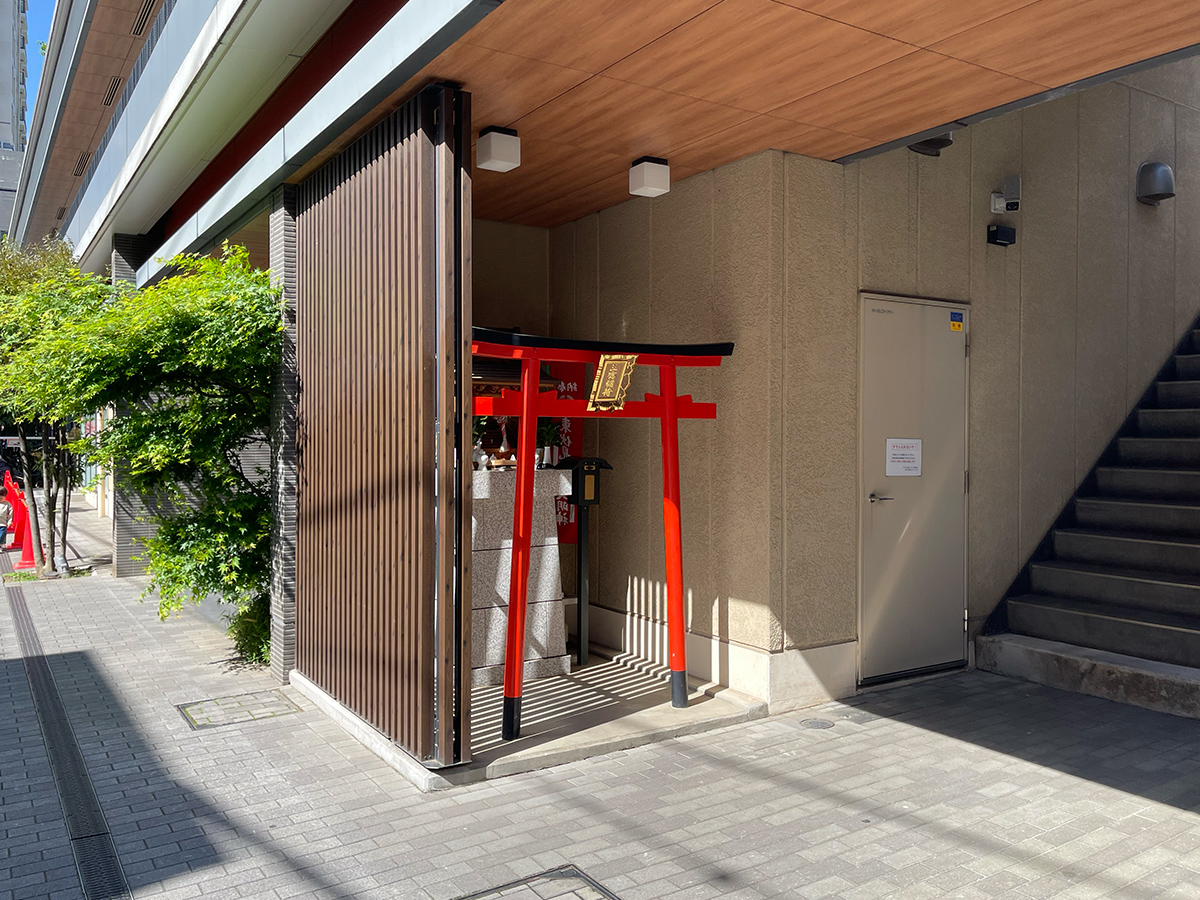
column 968, row 786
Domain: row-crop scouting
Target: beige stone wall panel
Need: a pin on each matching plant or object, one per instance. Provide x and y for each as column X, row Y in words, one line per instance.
column 1048, row 229
column 1101, row 343
column 681, row 311
column 994, row 410
column 944, row 220
column 746, row 303
column 820, row 435
column 1187, row 218
column 562, row 281
column 887, row 236
column 1151, row 246
column 511, row 283
column 624, row 315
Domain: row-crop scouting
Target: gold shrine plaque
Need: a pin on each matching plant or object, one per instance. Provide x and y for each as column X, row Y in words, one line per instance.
column 611, row 383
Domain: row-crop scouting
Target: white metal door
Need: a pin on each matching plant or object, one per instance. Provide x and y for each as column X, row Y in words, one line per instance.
column 913, row 484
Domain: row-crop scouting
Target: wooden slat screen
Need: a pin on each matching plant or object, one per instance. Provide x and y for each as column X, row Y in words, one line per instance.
column 383, row 314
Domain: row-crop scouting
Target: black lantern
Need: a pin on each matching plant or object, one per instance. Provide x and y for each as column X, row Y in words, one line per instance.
column 585, row 492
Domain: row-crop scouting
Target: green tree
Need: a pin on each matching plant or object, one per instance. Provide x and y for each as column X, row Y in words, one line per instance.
column 40, row 291
column 188, row 363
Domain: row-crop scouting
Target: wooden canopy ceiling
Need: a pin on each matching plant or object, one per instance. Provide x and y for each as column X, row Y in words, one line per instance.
column 591, row 85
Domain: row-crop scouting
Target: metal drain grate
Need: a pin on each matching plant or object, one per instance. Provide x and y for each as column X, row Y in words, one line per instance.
column 815, row 723
column 202, row 714
column 563, row 883
column 99, row 869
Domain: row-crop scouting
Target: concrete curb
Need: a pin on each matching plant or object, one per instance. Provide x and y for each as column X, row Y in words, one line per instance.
column 422, row 778
column 634, row 729
column 1112, row 676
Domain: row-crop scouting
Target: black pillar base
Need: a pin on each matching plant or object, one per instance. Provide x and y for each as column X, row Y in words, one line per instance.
column 679, row 689
column 511, row 729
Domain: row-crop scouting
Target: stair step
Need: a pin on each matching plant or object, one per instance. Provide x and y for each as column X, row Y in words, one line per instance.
column 1169, row 422
column 1114, row 676
column 1187, row 365
column 1178, row 394
column 1127, row 551
column 1178, row 594
column 1103, row 626
column 1138, row 515
column 1170, row 484
column 1182, row 452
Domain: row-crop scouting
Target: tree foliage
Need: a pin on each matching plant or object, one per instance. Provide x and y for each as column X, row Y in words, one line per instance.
column 188, row 363
column 40, row 291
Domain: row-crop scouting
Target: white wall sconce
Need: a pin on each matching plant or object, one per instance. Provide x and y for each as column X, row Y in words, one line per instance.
column 649, row 176
column 498, row 149
column 1155, row 183
column 1009, row 199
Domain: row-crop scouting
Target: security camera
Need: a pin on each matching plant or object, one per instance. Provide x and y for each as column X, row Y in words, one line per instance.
column 1012, row 193
column 1008, row 200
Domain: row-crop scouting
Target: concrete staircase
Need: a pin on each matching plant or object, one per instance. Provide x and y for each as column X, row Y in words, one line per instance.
column 1120, row 574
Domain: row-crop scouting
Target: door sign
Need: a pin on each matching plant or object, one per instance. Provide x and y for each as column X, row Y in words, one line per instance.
column 903, row 457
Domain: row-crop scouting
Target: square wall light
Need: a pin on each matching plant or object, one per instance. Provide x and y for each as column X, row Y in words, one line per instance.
column 649, row 176
column 498, row 149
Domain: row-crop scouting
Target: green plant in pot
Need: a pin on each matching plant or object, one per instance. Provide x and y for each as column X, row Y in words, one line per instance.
column 549, row 432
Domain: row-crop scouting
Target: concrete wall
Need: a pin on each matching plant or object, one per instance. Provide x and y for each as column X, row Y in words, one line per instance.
column 1068, row 328
column 510, row 276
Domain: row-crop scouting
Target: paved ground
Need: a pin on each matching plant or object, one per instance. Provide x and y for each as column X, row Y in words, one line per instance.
column 968, row 786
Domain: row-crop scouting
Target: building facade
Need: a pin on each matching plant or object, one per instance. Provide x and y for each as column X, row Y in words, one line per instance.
column 335, row 140
column 13, row 30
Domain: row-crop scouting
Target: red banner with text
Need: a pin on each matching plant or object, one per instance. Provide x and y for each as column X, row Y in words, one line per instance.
column 572, row 385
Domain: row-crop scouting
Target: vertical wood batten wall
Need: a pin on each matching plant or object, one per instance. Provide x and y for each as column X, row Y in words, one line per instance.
column 382, row 604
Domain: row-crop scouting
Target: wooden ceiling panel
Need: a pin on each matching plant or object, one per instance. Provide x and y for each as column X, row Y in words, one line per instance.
column 503, row 87
column 626, row 119
column 917, row 22
column 756, row 55
column 1055, row 42
column 547, row 170
column 579, row 203
column 887, row 102
column 590, row 36
column 762, row 133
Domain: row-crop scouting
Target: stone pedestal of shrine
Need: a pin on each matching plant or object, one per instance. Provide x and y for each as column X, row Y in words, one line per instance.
column 491, row 558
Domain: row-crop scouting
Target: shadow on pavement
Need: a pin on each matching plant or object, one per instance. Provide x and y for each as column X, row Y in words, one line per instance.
column 162, row 826
column 1139, row 751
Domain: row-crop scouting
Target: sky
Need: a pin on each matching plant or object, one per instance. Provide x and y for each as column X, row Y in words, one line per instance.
column 38, row 14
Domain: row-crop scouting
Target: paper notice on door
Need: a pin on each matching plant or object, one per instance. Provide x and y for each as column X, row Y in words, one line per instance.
column 903, row 457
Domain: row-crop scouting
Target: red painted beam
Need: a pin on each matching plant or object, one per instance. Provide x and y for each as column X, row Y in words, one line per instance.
column 510, row 404
column 673, row 539
column 518, row 590
column 559, row 354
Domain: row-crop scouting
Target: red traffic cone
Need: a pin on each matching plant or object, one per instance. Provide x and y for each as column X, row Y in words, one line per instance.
column 20, row 520
column 26, row 561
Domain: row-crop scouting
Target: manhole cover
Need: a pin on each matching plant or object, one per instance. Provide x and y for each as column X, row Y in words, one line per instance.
column 563, row 883
column 220, row 711
column 815, row 723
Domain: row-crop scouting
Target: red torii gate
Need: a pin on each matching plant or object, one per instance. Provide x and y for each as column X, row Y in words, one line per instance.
column 529, row 404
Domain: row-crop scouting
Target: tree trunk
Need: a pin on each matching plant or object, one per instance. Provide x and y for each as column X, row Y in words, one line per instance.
column 50, row 489
column 68, row 471
column 35, row 527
